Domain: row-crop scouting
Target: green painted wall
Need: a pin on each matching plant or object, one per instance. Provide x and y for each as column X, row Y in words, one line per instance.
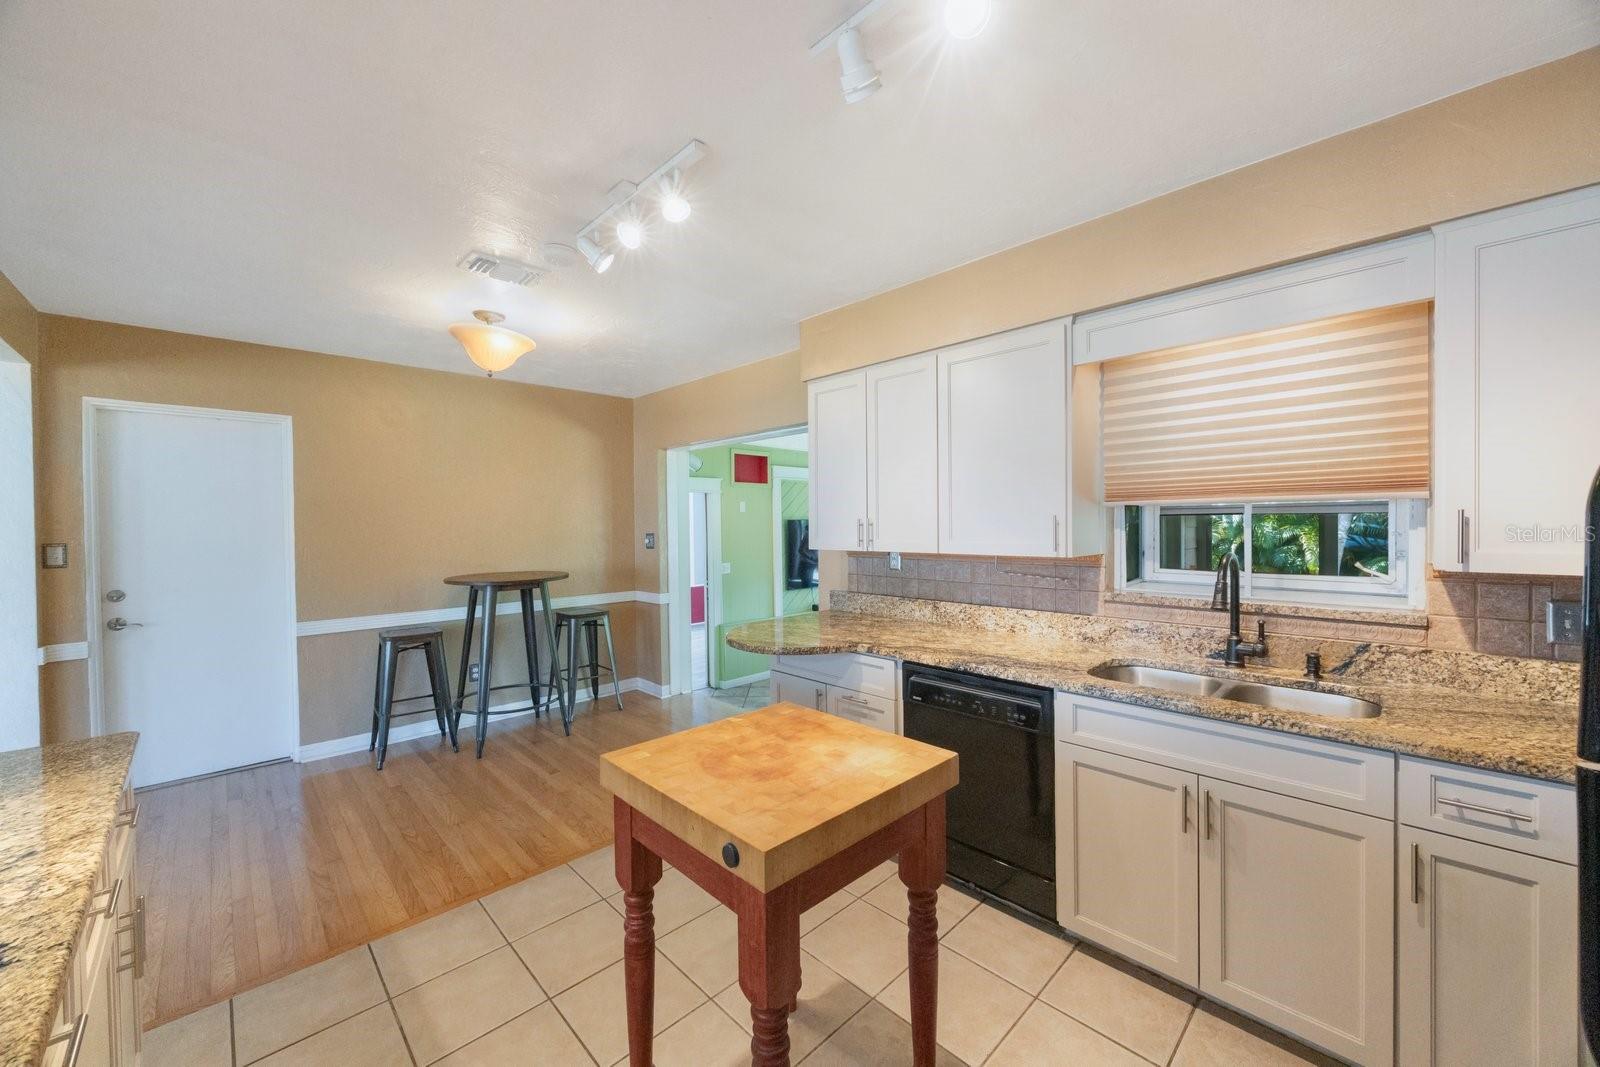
column 747, row 544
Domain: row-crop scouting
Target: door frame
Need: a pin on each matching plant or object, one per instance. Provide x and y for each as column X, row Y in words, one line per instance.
column 712, row 488
column 22, row 725
column 779, row 476
column 92, row 407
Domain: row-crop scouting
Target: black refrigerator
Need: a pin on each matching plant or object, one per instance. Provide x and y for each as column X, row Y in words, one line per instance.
column 1589, row 788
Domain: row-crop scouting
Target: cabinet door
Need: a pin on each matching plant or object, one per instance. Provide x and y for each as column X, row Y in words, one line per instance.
column 837, row 421
column 792, row 689
column 1126, row 858
column 1488, row 954
column 903, row 455
column 1297, row 917
column 1516, row 355
column 100, row 1035
column 1003, row 444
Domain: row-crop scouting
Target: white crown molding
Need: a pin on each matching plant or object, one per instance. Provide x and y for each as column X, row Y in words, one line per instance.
column 424, row 727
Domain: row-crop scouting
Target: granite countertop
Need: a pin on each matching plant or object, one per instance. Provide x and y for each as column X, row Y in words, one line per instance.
column 57, row 807
column 1455, row 707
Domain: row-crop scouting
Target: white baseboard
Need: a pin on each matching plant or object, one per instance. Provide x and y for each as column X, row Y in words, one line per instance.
column 425, row 726
column 729, row 683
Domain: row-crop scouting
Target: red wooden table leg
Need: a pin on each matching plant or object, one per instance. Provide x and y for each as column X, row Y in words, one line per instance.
column 638, row 870
column 769, row 968
column 922, row 871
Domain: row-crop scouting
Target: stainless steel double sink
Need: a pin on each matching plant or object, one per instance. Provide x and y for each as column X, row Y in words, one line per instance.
column 1261, row 694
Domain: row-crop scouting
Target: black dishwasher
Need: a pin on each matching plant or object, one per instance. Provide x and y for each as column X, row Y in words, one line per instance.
column 1001, row 816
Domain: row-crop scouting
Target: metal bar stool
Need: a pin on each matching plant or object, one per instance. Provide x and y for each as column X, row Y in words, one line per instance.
column 487, row 589
column 430, row 641
column 590, row 620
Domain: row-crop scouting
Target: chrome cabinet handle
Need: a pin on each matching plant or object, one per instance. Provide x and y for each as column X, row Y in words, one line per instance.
column 1055, row 533
column 1416, row 876
column 130, row 817
column 1504, row 813
column 1461, row 536
column 1208, row 814
column 1183, row 811
column 111, row 901
column 869, row 533
column 133, row 959
column 861, row 540
column 822, row 699
column 119, row 624
column 75, row 1037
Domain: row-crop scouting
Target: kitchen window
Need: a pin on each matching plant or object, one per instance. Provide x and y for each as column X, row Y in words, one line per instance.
column 1353, row 553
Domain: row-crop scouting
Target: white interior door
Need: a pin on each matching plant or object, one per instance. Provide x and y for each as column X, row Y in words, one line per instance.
column 193, row 550
column 19, row 638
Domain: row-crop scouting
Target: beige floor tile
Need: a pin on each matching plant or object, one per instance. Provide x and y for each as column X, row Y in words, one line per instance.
column 445, row 1013
column 599, row 869
column 597, row 1009
column 876, row 1036
column 1129, row 1005
column 569, row 950
column 861, row 886
column 411, row 956
column 706, row 1037
column 706, row 949
column 539, row 901
column 371, row 1039
column 1218, row 1038
column 1044, row 1037
column 540, row 1036
column 1022, row 954
column 677, row 900
column 889, row 897
column 861, row 943
column 826, row 1001
column 200, row 1039
column 821, row 912
column 280, row 1013
column 975, row 1007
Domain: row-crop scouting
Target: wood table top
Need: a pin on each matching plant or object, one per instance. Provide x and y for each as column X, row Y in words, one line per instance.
column 789, row 786
column 506, row 579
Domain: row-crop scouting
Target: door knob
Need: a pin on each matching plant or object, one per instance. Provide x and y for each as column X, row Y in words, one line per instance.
column 116, row 596
column 119, row 623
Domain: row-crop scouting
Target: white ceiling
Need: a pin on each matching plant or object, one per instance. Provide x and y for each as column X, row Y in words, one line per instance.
column 305, row 173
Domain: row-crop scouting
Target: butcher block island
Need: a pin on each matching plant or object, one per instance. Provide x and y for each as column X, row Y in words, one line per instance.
column 71, row 920
column 772, row 812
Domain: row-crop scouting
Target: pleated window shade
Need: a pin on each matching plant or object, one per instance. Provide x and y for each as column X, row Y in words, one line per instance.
column 1336, row 408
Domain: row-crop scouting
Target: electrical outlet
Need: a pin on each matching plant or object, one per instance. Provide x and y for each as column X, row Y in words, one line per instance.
column 1564, row 622
column 894, row 561
column 472, row 673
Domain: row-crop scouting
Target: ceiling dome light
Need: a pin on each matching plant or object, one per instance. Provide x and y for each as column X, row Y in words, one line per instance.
column 674, row 208
column 858, row 78
column 492, row 347
column 598, row 257
column 966, row 18
column 630, row 234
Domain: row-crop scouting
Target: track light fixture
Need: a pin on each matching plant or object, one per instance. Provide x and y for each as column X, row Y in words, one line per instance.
column 858, row 77
column 625, row 217
column 966, row 18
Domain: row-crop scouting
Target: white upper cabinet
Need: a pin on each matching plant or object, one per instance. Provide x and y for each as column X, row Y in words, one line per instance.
column 837, row 421
column 1517, row 381
column 1003, row 444
column 902, row 461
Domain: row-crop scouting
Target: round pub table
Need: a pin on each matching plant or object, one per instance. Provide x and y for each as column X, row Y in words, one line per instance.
column 487, row 588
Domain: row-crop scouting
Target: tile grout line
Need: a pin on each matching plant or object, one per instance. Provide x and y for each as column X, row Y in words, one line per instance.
column 1037, row 997
column 1187, row 1022
column 394, row 1013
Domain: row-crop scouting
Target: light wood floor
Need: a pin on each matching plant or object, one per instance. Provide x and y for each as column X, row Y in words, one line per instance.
column 255, row 873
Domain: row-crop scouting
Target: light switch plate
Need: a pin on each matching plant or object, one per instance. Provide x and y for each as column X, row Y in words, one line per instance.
column 650, row 540
column 1564, row 622
column 53, row 556
column 727, row 568
column 894, row 561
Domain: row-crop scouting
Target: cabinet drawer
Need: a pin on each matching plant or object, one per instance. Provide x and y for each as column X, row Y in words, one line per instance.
column 872, row 675
column 863, row 708
column 1522, row 814
column 791, row 689
column 1345, row 776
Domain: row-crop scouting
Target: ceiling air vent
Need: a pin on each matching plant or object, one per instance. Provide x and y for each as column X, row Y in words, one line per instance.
column 500, row 268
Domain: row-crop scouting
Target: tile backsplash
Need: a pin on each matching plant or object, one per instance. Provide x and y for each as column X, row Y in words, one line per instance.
column 1497, row 614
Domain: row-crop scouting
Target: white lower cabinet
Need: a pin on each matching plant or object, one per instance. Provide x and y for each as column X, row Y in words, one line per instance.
column 1488, row 954
column 1139, row 901
column 793, row 689
column 1297, row 917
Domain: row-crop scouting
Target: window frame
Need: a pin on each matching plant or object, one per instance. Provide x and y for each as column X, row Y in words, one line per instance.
column 1403, row 587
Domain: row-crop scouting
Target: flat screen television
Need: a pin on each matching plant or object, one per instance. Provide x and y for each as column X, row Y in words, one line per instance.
column 800, row 560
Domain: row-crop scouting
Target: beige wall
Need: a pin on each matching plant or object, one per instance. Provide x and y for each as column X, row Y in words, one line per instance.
column 20, row 324
column 402, row 476
column 1528, row 135
column 759, row 396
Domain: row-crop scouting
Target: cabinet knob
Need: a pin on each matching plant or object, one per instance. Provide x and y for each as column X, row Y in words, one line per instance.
column 730, row 854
